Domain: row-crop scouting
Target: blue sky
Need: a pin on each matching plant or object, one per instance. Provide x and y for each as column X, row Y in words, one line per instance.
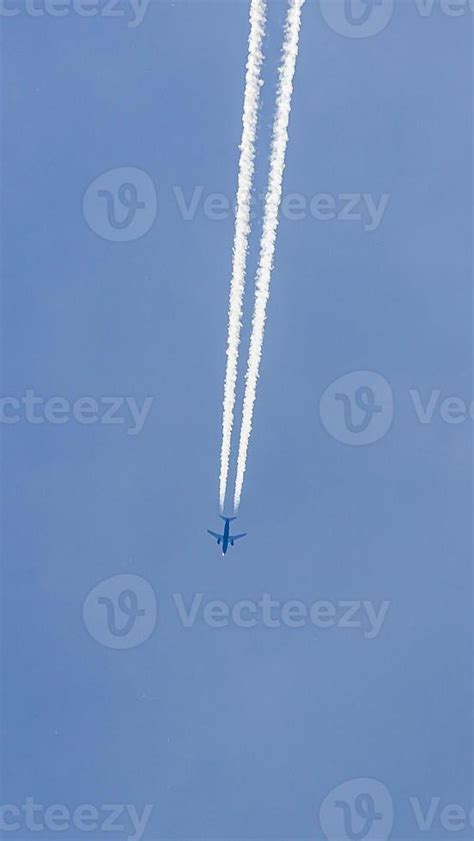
column 236, row 732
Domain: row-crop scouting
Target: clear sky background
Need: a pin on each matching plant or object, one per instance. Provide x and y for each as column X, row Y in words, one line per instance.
column 233, row 732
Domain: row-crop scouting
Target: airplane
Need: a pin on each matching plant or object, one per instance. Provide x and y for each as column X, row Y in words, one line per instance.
column 227, row 537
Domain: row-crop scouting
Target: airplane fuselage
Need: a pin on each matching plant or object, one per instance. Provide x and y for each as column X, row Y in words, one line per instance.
column 225, row 539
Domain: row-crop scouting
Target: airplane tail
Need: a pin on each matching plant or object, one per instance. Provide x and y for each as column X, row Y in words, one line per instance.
column 227, row 518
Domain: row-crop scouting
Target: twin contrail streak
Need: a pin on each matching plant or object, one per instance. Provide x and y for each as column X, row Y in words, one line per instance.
column 253, row 84
column 270, row 227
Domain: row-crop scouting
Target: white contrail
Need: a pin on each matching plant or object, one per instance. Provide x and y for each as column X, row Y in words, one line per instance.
column 270, row 227
column 253, row 84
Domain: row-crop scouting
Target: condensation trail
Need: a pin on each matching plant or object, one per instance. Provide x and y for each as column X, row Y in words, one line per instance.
column 270, row 227
column 253, row 83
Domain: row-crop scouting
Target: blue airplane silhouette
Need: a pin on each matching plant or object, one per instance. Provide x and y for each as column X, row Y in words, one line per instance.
column 227, row 537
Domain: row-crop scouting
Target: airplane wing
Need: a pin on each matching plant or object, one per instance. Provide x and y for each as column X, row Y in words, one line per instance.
column 217, row 536
column 237, row 536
